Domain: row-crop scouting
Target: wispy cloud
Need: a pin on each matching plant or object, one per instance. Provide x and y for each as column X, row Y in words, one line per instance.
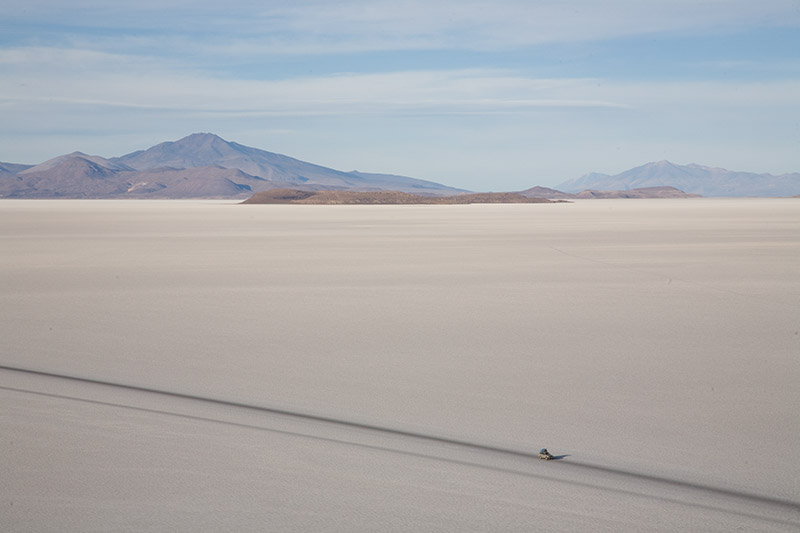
column 92, row 78
column 323, row 27
column 481, row 24
column 89, row 77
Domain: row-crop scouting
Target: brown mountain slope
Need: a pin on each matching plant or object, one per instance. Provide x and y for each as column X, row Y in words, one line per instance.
column 199, row 182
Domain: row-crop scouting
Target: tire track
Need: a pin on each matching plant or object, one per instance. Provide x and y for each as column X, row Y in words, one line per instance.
column 564, row 465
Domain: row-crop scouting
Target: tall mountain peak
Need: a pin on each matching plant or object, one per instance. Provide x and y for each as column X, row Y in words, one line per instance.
column 200, row 139
column 195, row 150
column 198, row 165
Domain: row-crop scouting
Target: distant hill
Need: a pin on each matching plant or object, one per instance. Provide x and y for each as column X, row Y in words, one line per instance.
column 545, row 192
column 12, row 168
column 643, row 192
column 294, row 196
column 70, row 176
column 56, row 162
column 201, row 165
column 693, row 179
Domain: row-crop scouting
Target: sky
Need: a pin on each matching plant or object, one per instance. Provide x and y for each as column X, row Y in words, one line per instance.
column 479, row 94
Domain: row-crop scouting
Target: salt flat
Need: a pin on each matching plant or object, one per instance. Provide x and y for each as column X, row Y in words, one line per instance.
column 652, row 343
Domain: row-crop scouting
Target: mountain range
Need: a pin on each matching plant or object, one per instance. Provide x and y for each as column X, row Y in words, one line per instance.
column 204, row 165
column 692, row 179
column 592, row 194
column 199, row 165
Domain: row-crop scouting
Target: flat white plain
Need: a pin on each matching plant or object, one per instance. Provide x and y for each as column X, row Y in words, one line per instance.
column 652, row 343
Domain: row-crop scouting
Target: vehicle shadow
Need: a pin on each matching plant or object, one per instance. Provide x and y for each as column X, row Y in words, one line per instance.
column 559, row 457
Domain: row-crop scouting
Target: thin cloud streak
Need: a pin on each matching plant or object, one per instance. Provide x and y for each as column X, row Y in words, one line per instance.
column 322, row 27
column 90, row 78
column 53, row 76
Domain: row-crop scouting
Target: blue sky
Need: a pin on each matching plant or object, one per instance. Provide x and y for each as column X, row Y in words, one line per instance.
column 485, row 95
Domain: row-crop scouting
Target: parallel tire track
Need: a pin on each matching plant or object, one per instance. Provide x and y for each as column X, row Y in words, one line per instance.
column 785, row 505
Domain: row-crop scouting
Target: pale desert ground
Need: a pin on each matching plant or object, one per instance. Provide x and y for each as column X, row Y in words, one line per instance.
column 395, row 368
